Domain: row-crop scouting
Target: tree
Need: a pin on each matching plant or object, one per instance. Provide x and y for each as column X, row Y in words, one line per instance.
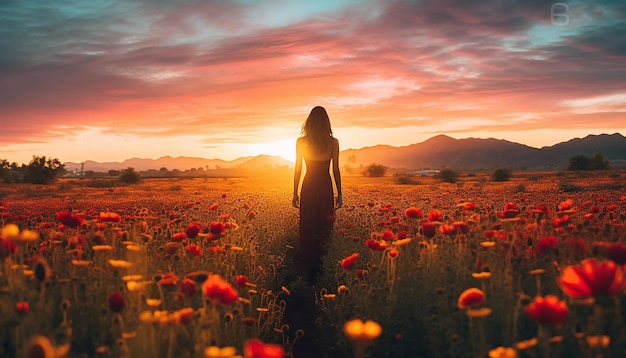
column 449, row 175
column 129, row 176
column 501, row 174
column 598, row 162
column 579, row 162
column 375, row 170
column 43, row 171
column 582, row 162
column 9, row 172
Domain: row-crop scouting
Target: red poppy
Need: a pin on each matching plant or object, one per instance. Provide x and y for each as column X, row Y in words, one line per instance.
column 546, row 244
column 447, row 229
column 109, row 217
column 21, row 308
column 592, row 278
column 561, row 221
column 565, row 205
column 388, row 235
column 214, row 206
column 508, row 213
column 413, row 213
column 547, row 311
column 188, row 287
column 193, row 230
column 254, row 348
column 374, row 245
column 216, row 227
column 7, row 247
column 393, row 253
column 215, row 288
column 195, row 250
column 167, row 279
column 241, row 280
column 428, row 229
column 468, row 206
column 116, row 302
column 471, row 297
column 68, row 219
column 178, row 237
column 349, row 261
column 435, row 215
column 402, row 234
column 461, row 226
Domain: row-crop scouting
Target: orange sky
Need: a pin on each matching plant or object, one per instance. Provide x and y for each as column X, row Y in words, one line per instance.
column 227, row 79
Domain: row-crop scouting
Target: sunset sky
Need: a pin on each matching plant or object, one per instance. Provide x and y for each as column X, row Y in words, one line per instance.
column 109, row 80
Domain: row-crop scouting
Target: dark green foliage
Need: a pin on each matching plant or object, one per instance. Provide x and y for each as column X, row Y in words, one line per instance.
column 129, row 176
column 501, row 174
column 582, row 162
column 375, row 170
column 449, row 175
column 42, row 171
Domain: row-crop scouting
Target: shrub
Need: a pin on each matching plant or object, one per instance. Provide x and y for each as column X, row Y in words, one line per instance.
column 375, row 170
column 501, row 174
column 129, row 176
column 42, row 171
column 405, row 179
column 449, row 175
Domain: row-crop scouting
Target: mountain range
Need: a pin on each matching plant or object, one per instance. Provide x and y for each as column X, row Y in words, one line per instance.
column 475, row 153
column 437, row 152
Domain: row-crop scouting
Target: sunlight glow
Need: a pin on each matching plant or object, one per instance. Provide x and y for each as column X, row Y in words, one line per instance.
column 285, row 148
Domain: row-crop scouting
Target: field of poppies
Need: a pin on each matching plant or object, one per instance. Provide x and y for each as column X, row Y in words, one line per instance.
column 531, row 267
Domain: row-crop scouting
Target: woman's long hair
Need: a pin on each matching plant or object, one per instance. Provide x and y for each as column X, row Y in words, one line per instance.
column 316, row 129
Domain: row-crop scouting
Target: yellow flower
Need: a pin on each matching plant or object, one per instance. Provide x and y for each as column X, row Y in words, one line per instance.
column 503, row 352
column 359, row 330
column 488, row 244
column 102, row 248
column 217, row 352
column 135, row 277
column 529, row 343
column 481, row 275
column 81, row 263
column 120, row 264
column 342, row 289
column 153, row 302
column 598, row 341
column 10, row 232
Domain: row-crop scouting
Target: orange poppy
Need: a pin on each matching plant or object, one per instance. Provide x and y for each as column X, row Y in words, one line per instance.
column 592, row 278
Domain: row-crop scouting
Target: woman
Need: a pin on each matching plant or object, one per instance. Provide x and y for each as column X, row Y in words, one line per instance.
column 318, row 148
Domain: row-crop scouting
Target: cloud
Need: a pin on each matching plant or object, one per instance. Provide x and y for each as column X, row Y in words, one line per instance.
column 225, row 69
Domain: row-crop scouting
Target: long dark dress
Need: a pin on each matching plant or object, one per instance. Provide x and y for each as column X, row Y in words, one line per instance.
column 316, row 215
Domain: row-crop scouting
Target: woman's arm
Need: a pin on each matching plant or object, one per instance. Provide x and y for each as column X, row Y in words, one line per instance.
column 296, row 174
column 336, row 172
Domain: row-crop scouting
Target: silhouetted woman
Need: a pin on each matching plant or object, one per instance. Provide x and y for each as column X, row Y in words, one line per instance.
column 318, row 148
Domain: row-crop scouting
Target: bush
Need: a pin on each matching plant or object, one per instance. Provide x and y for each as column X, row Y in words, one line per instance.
column 42, row 171
column 595, row 162
column 501, row 174
column 129, row 176
column 405, row 179
column 449, row 175
column 375, row 170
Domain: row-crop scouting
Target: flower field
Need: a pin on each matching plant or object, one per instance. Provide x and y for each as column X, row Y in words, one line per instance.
column 204, row 268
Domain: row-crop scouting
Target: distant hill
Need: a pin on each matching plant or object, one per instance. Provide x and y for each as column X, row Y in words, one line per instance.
column 475, row 153
column 437, row 152
column 181, row 163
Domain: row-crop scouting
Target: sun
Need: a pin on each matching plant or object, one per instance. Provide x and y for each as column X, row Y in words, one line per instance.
column 285, row 148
